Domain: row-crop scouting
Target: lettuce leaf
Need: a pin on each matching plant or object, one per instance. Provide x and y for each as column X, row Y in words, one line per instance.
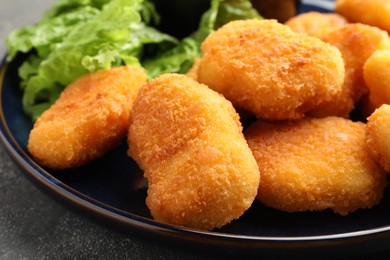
column 68, row 6
column 47, row 32
column 76, row 37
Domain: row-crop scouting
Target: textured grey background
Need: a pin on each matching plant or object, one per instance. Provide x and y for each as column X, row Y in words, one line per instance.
column 33, row 225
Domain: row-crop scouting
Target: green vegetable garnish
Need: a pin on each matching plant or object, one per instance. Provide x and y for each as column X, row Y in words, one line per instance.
column 76, row 37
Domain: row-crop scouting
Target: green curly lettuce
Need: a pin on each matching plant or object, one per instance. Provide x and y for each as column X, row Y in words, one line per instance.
column 76, row 37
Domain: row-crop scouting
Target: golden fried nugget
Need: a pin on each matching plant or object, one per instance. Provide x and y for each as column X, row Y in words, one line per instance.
column 189, row 142
column 371, row 12
column 90, row 117
column 312, row 22
column 378, row 135
column 264, row 67
column 356, row 42
column 377, row 77
column 193, row 72
column 315, row 164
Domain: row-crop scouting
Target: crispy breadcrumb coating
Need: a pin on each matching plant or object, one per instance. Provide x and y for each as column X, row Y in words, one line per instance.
column 189, row 142
column 90, row 117
column 315, row 164
column 312, row 22
column 371, row 12
column 377, row 77
column 264, row 67
column 356, row 42
column 193, row 72
column 378, row 135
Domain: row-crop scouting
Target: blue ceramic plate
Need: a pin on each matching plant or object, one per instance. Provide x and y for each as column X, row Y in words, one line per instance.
column 108, row 189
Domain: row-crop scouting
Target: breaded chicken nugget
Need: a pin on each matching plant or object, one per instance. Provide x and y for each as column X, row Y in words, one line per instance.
column 189, row 142
column 312, row 22
column 193, row 72
column 371, row 12
column 356, row 42
column 378, row 135
column 315, row 164
column 267, row 69
column 90, row 117
column 377, row 77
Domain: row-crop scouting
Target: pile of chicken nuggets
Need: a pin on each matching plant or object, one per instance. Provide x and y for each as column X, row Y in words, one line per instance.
column 293, row 147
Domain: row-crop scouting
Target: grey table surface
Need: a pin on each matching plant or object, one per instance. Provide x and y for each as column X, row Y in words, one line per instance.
column 33, row 225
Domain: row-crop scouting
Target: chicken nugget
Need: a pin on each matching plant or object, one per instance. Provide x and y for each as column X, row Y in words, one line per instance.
column 378, row 133
column 90, row 117
column 371, row 12
column 314, row 164
column 377, row 77
column 264, row 67
column 188, row 140
column 356, row 42
column 193, row 72
column 312, row 22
